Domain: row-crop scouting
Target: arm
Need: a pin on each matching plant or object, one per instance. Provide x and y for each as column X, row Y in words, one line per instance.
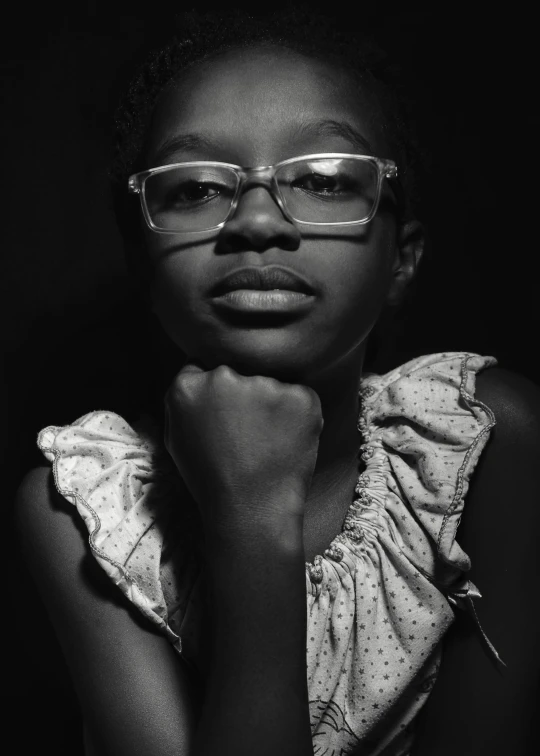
column 134, row 691
column 473, row 708
column 257, row 697
column 246, row 448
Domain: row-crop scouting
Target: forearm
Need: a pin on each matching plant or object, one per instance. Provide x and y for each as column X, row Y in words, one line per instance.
column 256, row 698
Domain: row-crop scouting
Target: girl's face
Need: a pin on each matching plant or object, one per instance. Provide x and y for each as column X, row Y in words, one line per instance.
column 254, row 108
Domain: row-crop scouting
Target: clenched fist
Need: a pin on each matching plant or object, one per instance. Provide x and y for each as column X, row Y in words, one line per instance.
column 245, row 446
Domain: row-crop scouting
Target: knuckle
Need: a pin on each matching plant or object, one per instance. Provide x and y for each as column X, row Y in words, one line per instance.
column 267, row 383
column 182, row 389
column 311, row 404
column 315, row 402
column 223, row 373
column 181, row 382
column 303, row 395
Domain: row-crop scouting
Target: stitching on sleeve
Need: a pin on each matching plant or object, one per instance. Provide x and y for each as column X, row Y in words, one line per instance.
column 94, row 547
column 470, row 402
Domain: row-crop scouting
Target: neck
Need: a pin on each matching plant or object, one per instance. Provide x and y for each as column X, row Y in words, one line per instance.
column 339, row 442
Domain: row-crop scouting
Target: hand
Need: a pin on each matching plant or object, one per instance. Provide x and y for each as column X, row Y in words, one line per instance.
column 245, row 447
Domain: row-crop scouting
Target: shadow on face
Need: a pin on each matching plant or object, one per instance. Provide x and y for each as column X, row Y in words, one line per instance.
column 257, row 107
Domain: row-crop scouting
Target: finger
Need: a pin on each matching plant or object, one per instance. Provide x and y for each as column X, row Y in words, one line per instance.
column 193, row 366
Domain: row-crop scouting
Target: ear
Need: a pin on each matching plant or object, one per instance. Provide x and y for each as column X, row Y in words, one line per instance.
column 410, row 244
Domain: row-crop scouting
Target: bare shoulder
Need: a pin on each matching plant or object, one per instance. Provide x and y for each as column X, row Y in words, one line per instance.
column 514, row 399
column 38, row 501
column 54, row 542
column 507, row 468
column 110, row 648
column 479, row 709
column 48, row 526
column 36, row 485
column 42, row 515
column 504, row 483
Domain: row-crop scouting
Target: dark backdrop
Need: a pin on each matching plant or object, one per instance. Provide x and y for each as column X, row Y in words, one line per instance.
column 75, row 338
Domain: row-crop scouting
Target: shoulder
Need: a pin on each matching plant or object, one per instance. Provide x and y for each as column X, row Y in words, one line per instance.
column 498, row 531
column 501, row 515
column 514, row 400
column 508, row 463
column 505, row 482
column 54, row 542
column 41, row 513
column 39, row 508
column 35, row 482
column 90, row 616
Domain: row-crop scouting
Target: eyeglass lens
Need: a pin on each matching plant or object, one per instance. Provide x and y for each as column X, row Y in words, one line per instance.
column 322, row 190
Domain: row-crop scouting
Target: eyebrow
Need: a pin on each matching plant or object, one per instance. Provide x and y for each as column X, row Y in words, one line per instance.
column 342, row 129
column 183, row 143
column 326, row 128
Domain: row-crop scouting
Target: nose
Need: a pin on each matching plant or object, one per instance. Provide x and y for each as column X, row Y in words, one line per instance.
column 258, row 223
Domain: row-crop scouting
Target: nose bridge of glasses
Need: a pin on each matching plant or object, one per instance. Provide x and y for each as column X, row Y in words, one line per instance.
column 263, row 177
column 259, row 176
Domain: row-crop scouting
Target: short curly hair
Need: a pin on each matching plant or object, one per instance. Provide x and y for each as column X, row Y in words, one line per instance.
column 201, row 36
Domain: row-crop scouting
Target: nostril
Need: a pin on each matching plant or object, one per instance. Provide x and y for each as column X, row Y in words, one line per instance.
column 235, row 237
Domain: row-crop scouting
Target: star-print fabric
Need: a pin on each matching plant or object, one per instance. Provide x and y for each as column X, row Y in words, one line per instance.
column 379, row 599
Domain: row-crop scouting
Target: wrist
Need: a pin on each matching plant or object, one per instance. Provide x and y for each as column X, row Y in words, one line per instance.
column 256, row 533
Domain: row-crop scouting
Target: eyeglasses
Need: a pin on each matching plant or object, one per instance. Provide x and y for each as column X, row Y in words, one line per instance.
column 329, row 189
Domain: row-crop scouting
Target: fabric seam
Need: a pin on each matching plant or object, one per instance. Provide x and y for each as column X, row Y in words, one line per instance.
column 91, row 537
column 396, row 375
column 470, row 402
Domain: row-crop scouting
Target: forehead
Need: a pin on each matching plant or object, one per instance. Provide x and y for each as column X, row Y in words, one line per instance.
column 258, row 102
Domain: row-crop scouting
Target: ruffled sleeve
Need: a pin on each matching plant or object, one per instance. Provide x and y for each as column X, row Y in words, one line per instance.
column 433, row 431
column 123, row 487
column 380, row 598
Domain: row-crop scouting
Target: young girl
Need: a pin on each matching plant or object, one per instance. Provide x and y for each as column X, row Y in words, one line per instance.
column 271, row 566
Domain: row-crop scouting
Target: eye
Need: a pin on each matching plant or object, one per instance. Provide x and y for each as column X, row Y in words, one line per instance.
column 318, row 183
column 192, row 192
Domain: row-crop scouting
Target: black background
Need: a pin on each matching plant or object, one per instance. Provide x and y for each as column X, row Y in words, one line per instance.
column 75, row 339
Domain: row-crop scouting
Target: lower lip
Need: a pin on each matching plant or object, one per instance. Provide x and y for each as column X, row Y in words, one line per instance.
column 254, row 300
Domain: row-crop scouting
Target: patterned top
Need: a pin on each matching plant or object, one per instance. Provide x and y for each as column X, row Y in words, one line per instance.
column 379, row 599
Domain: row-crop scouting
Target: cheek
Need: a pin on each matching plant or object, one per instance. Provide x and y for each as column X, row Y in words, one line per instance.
column 177, row 283
column 359, row 276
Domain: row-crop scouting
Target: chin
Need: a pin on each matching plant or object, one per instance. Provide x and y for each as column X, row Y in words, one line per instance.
column 286, row 355
column 280, row 364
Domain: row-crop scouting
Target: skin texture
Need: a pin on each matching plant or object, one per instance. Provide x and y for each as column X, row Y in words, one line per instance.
column 250, row 387
column 252, row 106
column 242, row 445
column 351, row 268
column 474, row 708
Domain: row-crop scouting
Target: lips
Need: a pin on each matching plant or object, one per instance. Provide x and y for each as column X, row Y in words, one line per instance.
column 262, row 278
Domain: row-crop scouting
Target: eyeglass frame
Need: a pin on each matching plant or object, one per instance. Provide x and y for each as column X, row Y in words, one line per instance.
column 386, row 169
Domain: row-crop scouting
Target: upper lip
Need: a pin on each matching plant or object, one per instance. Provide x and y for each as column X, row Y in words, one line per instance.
column 264, row 278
